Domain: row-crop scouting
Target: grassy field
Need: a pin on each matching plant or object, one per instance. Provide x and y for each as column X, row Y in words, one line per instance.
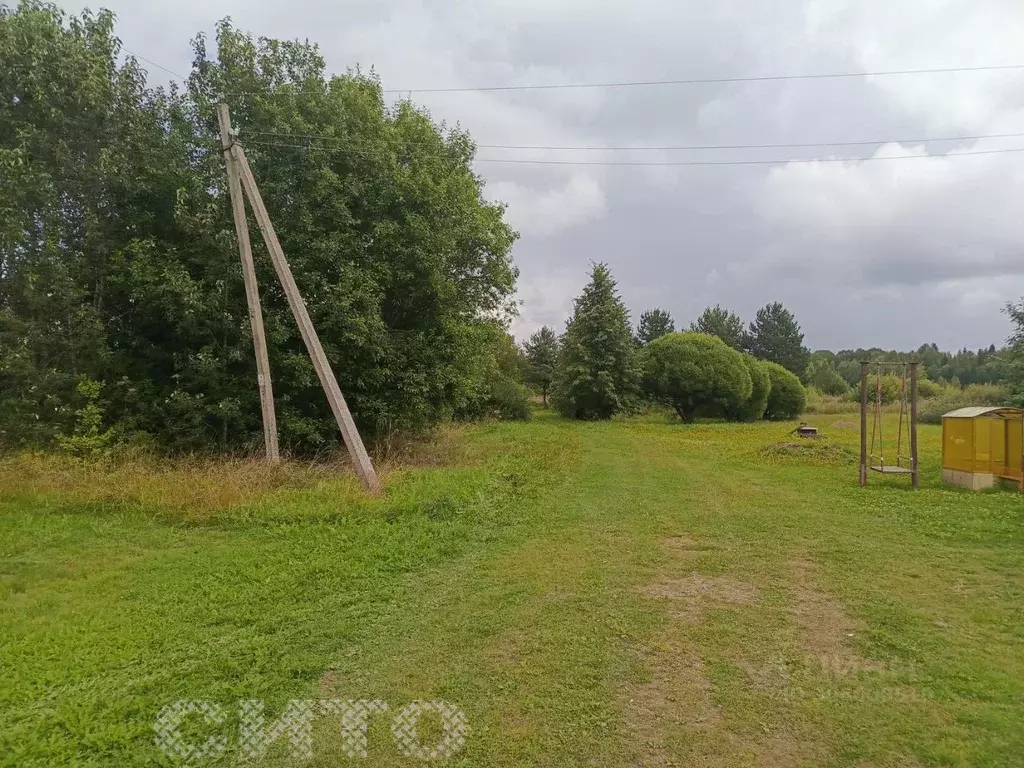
column 635, row 593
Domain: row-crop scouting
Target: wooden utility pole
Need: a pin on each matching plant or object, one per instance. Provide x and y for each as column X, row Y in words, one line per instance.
column 864, row 423
column 914, row 479
column 252, row 293
column 349, row 432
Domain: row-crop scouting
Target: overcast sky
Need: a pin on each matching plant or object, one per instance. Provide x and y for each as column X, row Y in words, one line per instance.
column 889, row 253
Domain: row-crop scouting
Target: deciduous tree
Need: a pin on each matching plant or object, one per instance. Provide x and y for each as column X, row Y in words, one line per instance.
column 754, row 406
column 786, row 398
column 118, row 260
column 1014, row 357
column 822, row 375
column 693, row 371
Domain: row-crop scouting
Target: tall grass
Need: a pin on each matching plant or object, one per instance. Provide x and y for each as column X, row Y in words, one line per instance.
column 195, row 486
column 952, row 397
column 947, row 397
column 819, row 403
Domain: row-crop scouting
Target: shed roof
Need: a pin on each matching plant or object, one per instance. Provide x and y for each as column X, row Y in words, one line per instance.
column 973, row 411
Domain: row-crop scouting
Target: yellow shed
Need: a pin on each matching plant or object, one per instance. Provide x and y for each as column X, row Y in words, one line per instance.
column 982, row 446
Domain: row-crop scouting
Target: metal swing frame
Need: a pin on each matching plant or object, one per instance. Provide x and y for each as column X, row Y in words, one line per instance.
column 869, row 460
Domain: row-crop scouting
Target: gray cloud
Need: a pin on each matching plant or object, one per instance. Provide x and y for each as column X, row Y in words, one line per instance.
column 891, row 253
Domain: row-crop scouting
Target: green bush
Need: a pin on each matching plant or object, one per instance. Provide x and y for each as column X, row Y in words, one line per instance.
column 927, row 388
column 825, row 378
column 694, row 371
column 753, row 407
column 818, row 402
column 787, row 398
column 509, row 400
column 890, row 388
column 950, row 398
column 89, row 438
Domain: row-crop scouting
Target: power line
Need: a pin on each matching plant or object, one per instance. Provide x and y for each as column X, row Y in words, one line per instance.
column 678, row 147
column 784, row 161
column 707, row 80
column 150, row 61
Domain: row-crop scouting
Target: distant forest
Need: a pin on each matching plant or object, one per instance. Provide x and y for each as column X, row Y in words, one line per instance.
column 982, row 366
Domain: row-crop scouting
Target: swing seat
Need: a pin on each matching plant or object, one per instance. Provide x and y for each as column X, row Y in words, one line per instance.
column 890, row 470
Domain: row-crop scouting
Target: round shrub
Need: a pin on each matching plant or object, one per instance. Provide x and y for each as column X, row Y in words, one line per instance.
column 509, row 400
column 754, row 406
column 694, row 371
column 786, row 398
column 927, row 388
column 890, row 388
column 827, row 380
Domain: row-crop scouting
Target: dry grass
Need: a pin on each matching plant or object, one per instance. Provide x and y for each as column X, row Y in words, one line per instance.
column 691, row 595
column 444, row 446
column 675, row 715
column 826, row 630
column 832, row 405
column 194, row 487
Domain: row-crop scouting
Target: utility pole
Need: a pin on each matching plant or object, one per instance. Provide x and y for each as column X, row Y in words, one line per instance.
column 349, row 432
column 252, row 293
column 914, row 478
column 863, row 423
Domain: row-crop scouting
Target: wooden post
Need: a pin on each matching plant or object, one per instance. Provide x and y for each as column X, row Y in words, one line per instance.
column 349, row 432
column 915, row 477
column 252, row 293
column 863, row 423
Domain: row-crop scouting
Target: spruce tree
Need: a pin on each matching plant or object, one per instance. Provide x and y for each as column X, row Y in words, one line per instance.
column 598, row 373
column 720, row 322
column 542, row 355
column 654, row 323
column 775, row 336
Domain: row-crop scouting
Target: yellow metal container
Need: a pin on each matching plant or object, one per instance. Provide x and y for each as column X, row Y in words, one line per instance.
column 982, row 446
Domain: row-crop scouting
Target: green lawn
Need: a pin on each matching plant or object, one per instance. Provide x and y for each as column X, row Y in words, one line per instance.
column 620, row 594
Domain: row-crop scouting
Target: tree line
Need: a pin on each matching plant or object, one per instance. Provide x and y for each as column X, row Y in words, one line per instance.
column 122, row 308
column 599, row 367
column 721, row 366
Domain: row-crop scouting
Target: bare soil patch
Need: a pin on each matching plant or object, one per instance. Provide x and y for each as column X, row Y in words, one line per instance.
column 826, row 631
column 677, row 696
column 697, row 589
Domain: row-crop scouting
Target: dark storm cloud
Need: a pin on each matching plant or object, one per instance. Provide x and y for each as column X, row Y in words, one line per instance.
column 887, row 252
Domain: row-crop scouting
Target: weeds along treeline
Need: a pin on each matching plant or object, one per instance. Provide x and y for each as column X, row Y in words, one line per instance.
column 122, row 307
